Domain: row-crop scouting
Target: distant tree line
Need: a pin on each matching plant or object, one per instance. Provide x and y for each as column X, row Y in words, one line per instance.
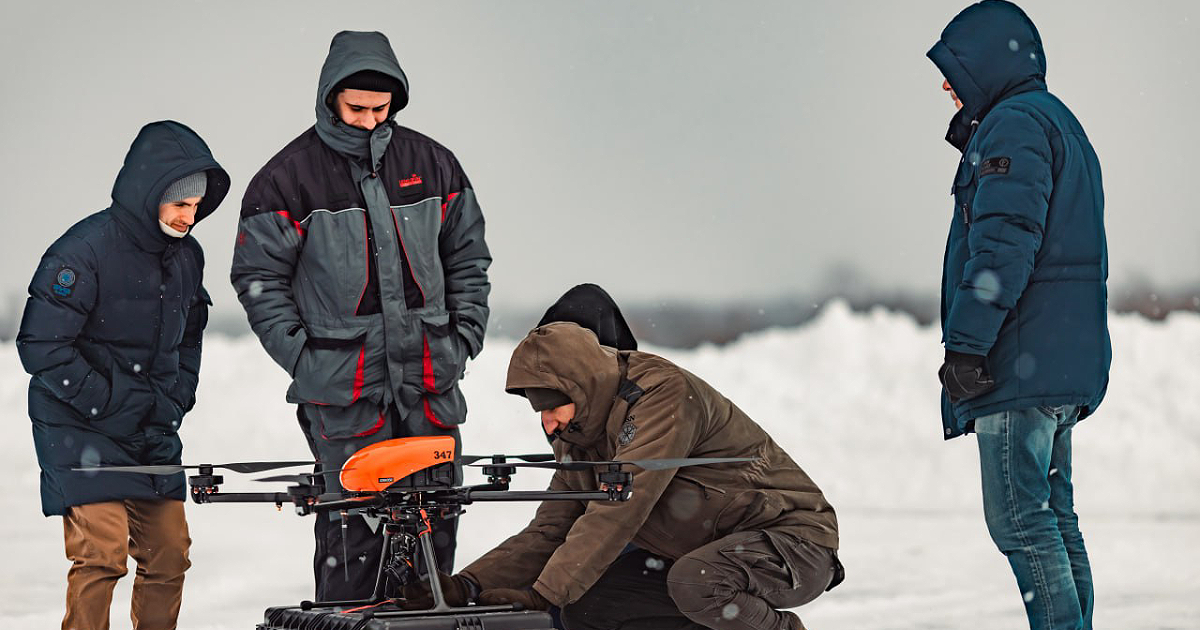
column 687, row 324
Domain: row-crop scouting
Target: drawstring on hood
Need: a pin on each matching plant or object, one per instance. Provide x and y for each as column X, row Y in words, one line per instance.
column 163, row 153
column 989, row 52
column 351, row 52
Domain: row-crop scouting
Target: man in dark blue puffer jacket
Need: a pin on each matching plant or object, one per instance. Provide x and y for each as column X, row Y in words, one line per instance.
column 1024, row 299
column 111, row 334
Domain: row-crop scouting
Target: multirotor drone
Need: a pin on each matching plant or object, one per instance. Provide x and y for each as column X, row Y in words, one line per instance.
column 407, row 484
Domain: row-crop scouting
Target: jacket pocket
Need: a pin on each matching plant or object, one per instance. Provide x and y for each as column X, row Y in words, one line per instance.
column 331, row 366
column 361, row 419
column 749, row 509
column 445, row 411
column 131, row 401
column 964, row 191
column 444, row 353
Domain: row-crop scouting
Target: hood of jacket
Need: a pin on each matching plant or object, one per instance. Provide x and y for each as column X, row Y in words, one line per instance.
column 568, row 358
column 163, row 152
column 593, row 308
column 990, row 51
column 351, row 52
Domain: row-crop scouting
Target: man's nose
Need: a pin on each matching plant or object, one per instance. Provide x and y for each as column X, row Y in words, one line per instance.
column 548, row 423
column 368, row 122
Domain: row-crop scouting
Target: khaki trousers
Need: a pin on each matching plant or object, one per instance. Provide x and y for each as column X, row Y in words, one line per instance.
column 101, row 536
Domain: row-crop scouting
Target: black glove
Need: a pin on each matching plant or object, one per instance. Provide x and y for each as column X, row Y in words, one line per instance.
column 965, row 376
column 527, row 598
column 457, row 589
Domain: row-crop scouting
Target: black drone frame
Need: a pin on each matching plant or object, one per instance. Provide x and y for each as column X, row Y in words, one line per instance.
column 407, row 511
column 408, row 508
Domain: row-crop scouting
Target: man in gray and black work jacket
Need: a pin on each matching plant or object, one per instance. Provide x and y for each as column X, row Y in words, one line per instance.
column 361, row 263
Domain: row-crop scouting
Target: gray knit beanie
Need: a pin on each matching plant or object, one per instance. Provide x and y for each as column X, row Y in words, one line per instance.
column 193, row 185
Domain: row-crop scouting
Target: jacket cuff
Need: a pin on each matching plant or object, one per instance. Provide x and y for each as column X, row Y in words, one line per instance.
column 972, row 325
column 289, row 343
column 552, row 596
column 963, row 358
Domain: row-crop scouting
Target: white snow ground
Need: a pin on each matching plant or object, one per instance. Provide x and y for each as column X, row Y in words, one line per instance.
column 852, row 397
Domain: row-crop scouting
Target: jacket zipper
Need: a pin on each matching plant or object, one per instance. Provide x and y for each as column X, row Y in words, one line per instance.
column 966, row 208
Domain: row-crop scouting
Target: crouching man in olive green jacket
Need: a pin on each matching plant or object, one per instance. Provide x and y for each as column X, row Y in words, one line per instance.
column 712, row 546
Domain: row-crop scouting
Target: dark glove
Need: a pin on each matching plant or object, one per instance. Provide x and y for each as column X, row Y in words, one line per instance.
column 965, row 376
column 457, row 589
column 527, row 598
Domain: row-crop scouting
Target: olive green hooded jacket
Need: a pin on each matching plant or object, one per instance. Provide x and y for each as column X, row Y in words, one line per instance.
column 635, row 405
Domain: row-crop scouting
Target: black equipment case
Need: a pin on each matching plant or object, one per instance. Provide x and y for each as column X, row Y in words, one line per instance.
column 294, row 618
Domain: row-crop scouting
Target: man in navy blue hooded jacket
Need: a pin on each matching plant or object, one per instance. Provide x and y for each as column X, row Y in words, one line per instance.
column 1024, row 299
column 111, row 334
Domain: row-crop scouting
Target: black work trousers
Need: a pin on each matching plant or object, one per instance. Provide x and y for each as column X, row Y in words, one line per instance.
column 348, row 553
column 735, row 583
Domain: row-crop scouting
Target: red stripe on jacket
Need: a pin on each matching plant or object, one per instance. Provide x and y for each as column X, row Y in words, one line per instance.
column 445, row 203
column 296, row 224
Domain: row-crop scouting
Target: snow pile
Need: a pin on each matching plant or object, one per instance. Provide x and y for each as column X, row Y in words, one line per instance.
column 853, row 398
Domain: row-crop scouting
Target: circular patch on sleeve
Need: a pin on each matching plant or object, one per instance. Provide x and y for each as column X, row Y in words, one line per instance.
column 66, row 276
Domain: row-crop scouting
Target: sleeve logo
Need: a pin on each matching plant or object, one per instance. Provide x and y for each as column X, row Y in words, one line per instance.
column 63, row 282
column 995, row 166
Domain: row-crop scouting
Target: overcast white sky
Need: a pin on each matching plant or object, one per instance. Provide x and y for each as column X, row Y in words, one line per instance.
column 704, row 150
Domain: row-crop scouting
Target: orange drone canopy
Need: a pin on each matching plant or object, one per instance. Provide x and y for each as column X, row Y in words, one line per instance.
column 380, row 465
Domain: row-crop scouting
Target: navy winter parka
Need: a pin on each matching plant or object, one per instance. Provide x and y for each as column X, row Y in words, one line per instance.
column 1026, row 260
column 111, row 332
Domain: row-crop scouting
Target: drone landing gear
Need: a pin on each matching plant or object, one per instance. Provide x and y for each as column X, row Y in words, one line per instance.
column 392, row 562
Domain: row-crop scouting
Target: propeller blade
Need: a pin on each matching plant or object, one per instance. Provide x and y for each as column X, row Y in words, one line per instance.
column 149, row 470
column 253, row 467
column 467, row 460
column 548, row 465
column 240, row 467
column 662, row 464
column 645, row 464
column 308, row 478
column 303, row 477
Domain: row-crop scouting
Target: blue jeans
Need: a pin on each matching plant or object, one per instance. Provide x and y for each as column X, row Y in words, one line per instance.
column 1025, row 459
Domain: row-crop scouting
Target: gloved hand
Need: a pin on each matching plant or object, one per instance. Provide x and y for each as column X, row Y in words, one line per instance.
column 965, row 376
column 457, row 589
column 528, row 598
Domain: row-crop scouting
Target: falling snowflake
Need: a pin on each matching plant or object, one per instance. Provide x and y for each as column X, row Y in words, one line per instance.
column 137, row 367
column 1026, row 366
column 1028, row 596
column 90, row 456
column 256, row 289
column 1013, row 45
column 730, row 611
column 987, row 286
